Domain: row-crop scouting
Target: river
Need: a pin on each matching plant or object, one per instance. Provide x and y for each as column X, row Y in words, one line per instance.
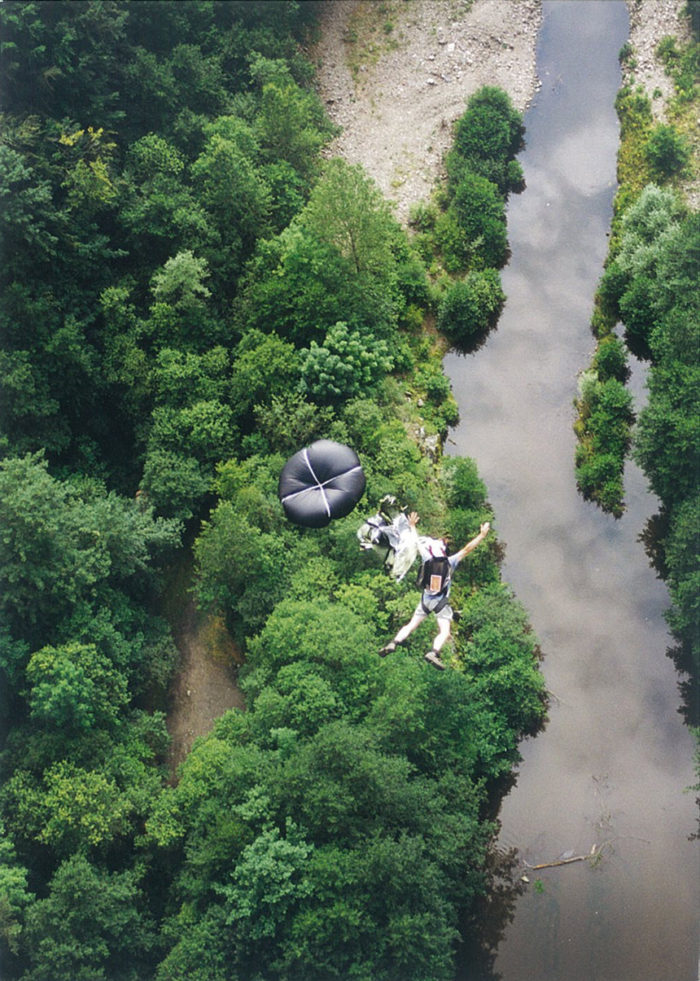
column 613, row 763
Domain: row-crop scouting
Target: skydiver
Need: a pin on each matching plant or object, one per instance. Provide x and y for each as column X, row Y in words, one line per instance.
column 436, row 582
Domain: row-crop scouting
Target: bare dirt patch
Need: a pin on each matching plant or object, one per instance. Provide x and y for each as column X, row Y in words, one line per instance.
column 205, row 686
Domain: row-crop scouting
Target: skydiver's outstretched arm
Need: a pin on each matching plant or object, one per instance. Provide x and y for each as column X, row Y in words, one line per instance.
column 470, row 546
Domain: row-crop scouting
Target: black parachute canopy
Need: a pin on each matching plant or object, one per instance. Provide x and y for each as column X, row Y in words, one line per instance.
column 321, row 482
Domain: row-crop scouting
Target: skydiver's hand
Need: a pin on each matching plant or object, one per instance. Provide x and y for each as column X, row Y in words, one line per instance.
column 413, row 519
column 484, row 530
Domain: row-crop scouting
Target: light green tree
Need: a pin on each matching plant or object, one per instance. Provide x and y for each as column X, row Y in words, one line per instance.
column 75, row 687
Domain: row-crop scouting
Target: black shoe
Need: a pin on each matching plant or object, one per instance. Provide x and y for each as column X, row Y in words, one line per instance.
column 387, row 649
column 433, row 659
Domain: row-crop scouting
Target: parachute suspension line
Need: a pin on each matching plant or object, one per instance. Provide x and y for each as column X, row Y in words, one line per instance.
column 320, row 485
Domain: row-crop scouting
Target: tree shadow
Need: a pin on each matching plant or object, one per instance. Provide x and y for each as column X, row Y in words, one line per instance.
column 653, row 538
column 484, row 928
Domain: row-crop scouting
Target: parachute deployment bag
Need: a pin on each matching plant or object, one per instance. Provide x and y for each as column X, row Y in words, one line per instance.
column 434, row 574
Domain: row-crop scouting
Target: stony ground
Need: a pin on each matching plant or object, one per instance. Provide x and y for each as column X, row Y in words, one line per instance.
column 397, row 92
column 650, row 21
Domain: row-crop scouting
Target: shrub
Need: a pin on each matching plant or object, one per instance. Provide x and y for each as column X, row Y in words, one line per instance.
column 462, row 485
column 667, row 151
column 470, row 307
column 347, row 364
column 487, row 136
column 610, row 360
column 473, row 230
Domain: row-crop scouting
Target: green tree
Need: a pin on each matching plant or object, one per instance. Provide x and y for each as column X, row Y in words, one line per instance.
column 27, row 215
column 610, row 359
column 59, row 549
column 667, row 438
column 233, row 192
column 264, row 366
column 81, row 808
column 181, row 280
column 681, row 555
column 93, row 925
column 15, row 898
column 472, row 232
column 75, row 687
column 157, row 207
column 242, row 570
column 347, row 212
column 173, row 484
column 315, row 632
column 667, row 151
column 501, row 656
column 291, row 125
column 470, row 307
column 487, row 137
column 345, row 365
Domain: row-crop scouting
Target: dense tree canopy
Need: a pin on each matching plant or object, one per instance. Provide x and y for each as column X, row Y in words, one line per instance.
column 191, row 292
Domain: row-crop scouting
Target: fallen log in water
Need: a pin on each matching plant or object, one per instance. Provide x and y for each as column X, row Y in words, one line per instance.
column 594, row 853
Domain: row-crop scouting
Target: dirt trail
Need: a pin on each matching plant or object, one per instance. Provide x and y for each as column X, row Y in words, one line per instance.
column 206, row 686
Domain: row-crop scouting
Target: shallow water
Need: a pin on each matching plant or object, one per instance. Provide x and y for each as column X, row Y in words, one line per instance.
column 613, row 763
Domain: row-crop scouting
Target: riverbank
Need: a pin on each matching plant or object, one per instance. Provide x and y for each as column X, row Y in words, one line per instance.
column 650, row 21
column 396, row 75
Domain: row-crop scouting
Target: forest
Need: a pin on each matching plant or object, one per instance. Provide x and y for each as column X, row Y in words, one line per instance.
column 191, row 291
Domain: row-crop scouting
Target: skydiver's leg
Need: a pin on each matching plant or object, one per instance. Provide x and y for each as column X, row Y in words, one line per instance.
column 443, row 635
column 405, row 631
column 444, row 619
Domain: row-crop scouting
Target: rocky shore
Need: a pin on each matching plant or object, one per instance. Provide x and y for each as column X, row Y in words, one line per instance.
column 397, row 106
column 397, row 113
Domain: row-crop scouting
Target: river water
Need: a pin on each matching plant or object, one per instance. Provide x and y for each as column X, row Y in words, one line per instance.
column 613, row 762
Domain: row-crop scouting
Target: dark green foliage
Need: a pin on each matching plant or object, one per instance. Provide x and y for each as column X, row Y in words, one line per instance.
column 62, row 548
column 338, row 262
column 487, row 137
column 651, row 283
column 681, row 555
column 462, row 485
column 93, row 925
column 74, row 687
column 15, row 897
column 599, row 478
column 470, row 307
column 499, row 640
column 473, row 230
column 667, row 441
column 344, row 366
column 668, row 153
column 605, row 419
column 648, row 286
column 181, row 272
column 610, row 360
